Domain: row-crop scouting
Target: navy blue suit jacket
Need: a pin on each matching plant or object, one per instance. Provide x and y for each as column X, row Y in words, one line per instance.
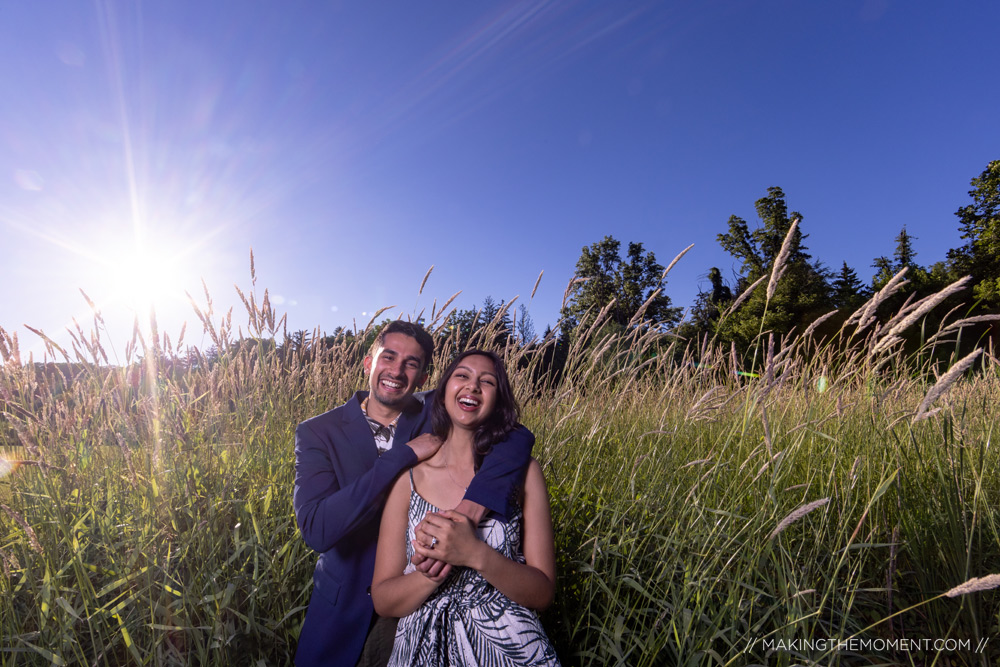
column 340, row 488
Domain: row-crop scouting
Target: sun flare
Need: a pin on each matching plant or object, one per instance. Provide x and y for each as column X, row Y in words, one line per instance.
column 140, row 276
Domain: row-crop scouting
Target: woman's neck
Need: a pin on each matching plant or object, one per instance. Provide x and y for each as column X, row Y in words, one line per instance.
column 458, row 450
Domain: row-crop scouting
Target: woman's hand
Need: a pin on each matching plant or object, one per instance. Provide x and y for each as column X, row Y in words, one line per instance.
column 449, row 536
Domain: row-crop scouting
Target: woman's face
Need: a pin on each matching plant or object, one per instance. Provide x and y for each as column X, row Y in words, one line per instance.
column 471, row 392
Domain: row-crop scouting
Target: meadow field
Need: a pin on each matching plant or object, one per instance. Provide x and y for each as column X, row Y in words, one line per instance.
column 826, row 501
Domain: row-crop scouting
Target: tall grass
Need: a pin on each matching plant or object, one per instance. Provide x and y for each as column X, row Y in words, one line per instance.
column 702, row 517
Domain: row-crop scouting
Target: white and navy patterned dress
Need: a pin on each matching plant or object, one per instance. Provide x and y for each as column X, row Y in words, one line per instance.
column 466, row 621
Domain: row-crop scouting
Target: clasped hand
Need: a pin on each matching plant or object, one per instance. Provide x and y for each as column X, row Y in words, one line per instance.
column 446, row 538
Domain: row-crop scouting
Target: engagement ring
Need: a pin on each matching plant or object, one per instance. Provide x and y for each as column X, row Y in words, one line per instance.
column 434, row 541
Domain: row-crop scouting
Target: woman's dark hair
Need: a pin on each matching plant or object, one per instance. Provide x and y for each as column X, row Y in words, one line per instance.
column 498, row 425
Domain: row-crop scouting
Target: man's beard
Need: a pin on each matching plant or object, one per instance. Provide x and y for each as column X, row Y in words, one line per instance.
column 390, row 401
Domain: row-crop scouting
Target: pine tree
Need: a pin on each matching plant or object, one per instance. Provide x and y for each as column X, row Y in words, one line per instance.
column 979, row 223
column 604, row 276
column 802, row 294
column 847, row 290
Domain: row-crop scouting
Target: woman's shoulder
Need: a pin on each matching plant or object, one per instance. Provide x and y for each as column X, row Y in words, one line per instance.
column 534, row 472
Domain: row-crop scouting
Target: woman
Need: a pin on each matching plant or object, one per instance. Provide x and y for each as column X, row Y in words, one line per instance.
column 477, row 611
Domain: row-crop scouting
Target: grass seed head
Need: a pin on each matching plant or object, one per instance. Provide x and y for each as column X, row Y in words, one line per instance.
column 797, row 514
column 781, row 261
column 975, row 585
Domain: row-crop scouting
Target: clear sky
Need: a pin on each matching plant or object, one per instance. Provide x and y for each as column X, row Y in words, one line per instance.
column 352, row 145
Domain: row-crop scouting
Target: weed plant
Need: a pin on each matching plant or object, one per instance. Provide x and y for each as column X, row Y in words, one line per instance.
column 702, row 516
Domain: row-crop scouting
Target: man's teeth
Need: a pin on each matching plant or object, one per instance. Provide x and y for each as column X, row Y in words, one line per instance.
column 392, row 385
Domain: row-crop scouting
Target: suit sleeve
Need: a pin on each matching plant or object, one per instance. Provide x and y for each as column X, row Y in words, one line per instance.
column 327, row 510
column 501, row 474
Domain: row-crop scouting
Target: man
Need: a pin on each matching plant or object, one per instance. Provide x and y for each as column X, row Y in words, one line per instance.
column 345, row 463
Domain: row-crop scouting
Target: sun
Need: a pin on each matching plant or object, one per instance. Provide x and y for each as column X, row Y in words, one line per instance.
column 143, row 277
column 147, row 278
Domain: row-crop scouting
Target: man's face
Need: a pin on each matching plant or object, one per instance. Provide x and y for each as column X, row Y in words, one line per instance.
column 395, row 371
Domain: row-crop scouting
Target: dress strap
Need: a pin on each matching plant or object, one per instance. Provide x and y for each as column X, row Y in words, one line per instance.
column 412, row 488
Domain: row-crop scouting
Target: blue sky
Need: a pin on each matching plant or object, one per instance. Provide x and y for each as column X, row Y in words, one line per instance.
column 147, row 146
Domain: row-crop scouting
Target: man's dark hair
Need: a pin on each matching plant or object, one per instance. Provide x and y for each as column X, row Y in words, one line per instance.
column 506, row 412
column 414, row 331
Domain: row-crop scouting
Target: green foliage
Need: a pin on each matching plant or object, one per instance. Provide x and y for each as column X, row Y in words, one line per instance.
column 758, row 249
column 489, row 325
column 603, row 276
column 698, row 512
column 847, row 290
column 801, row 296
column 707, row 308
column 979, row 223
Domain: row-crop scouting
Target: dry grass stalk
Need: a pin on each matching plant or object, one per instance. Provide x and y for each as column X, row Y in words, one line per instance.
column 8, row 562
column 921, row 308
column 378, row 312
column 676, row 259
column 968, row 321
column 865, row 315
column 29, row 531
column 537, row 280
column 767, row 430
column 569, row 290
column 743, row 297
column 766, row 465
column 781, row 261
column 890, row 575
column 424, row 281
column 9, row 352
column 51, row 347
column 815, row 323
column 975, row 585
column 945, row 382
column 695, row 412
column 797, row 514
column 642, row 309
column 769, row 363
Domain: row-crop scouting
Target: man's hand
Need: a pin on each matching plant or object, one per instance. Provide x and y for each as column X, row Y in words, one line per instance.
column 435, row 570
column 430, row 567
column 425, row 446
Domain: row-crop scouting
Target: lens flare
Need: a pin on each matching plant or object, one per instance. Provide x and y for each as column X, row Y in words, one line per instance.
column 7, row 466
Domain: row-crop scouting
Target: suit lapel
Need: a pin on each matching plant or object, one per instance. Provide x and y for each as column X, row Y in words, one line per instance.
column 411, row 422
column 361, row 454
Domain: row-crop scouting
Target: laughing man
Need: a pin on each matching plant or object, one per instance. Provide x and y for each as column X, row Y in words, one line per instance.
column 345, row 463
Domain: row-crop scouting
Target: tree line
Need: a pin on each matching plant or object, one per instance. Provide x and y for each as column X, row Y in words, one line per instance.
column 807, row 290
column 625, row 288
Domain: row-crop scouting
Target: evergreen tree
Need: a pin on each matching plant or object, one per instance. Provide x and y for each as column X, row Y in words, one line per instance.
column 603, row 275
column 905, row 255
column 802, row 294
column 979, row 223
column 525, row 328
column 847, row 290
column 708, row 305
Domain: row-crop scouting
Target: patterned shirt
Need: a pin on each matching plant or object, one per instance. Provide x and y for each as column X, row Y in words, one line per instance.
column 383, row 434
